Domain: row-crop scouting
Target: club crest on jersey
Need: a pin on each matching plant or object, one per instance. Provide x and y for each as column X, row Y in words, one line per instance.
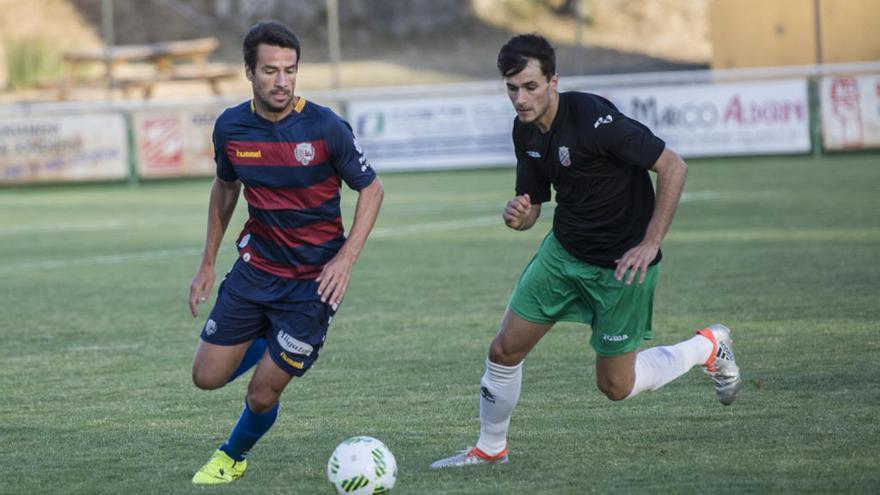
column 564, row 156
column 304, row 153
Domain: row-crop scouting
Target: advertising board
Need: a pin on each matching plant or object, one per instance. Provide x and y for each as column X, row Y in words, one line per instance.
column 60, row 148
column 175, row 143
column 745, row 118
column 850, row 112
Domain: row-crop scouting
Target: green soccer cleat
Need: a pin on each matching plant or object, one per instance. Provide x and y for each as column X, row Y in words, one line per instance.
column 219, row 470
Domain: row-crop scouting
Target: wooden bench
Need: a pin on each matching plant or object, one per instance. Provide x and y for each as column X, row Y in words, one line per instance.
column 159, row 62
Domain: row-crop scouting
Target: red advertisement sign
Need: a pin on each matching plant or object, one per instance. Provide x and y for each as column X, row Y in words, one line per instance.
column 160, row 145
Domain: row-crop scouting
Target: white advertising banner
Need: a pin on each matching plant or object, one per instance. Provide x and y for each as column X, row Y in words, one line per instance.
column 748, row 118
column 175, row 143
column 745, row 118
column 850, row 112
column 430, row 133
column 62, row 148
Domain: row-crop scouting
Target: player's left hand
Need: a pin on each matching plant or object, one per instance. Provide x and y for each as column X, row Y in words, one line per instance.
column 636, row 260
column 334, row 278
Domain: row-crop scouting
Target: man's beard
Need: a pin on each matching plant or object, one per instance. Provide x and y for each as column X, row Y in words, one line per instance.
column 271, row 107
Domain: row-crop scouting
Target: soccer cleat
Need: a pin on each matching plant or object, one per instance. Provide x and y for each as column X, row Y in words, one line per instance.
column 471, row 457
column 220, row 469
column 721, row 365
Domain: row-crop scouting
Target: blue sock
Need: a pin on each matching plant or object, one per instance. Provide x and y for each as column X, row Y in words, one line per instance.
column 251, row 427
column 251, row 357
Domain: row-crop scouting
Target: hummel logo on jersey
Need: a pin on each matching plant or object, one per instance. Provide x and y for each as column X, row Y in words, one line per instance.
column 603, row 120
column 533, row 154
column 364, row 163
column 249, row 154
column 244, row 241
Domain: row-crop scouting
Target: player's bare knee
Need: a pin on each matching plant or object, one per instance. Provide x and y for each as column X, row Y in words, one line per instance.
column 614, row 389
column 261, row 399
column 616, row 394
column 499, row 355
column 205, row 381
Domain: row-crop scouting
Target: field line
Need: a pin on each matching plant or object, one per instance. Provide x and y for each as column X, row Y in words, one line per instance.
column 437, row 226
column 379, row 232
column 688, row 196
column 408, row 208
column 113, row 259
column 96, row 226
column 63, row 227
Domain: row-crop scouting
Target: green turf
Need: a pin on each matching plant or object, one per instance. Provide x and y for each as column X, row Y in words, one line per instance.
column 97, row 342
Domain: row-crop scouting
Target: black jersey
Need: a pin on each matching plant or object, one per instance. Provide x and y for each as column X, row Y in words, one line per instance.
column 597, row 160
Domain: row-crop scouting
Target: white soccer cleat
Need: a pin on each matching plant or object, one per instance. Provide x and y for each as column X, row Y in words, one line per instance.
column 471, row 457
column 721, row 365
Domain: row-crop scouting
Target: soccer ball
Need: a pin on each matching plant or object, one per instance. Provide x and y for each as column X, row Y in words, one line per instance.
column 362, row 466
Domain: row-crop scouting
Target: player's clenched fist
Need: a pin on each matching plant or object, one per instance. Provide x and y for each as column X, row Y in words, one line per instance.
column 517, row 210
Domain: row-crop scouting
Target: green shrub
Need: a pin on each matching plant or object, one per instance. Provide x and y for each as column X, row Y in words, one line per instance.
column 30, row 62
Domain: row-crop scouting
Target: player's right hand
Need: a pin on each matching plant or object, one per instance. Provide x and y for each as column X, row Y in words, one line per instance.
column 200, row 288
column 516, row 210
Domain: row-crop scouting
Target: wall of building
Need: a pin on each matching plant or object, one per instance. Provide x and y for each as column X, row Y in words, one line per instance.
column 758, row 33
column 850, row 30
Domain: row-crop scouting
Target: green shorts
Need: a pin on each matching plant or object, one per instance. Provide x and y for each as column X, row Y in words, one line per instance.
column 556, row 286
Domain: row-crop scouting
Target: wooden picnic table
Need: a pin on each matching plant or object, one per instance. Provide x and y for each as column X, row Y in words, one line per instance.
column 185, row 60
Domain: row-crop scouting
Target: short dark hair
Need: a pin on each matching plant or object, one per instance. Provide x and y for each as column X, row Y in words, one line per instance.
column 270, row 33
column 515, row 54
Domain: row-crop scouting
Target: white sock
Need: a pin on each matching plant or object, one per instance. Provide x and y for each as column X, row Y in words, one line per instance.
column 499, row 393
column 658, row 366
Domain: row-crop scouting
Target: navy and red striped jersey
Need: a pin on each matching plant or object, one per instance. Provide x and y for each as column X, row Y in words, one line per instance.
column 292, row 172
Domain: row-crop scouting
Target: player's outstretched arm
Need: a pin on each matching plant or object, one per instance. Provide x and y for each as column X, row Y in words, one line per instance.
column 520, row 213
column 224, row 196
column 671, row 173
column 334, row 279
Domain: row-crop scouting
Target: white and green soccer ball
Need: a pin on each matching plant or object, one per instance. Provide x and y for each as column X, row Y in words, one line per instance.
column 362, row 466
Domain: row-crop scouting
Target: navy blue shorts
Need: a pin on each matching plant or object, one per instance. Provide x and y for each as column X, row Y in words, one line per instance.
column 287, row 313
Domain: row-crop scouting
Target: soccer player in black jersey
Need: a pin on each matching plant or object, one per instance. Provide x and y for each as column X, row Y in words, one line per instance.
column 599, row 264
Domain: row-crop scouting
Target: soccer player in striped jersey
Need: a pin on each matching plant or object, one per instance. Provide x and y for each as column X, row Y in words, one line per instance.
column 274, row 306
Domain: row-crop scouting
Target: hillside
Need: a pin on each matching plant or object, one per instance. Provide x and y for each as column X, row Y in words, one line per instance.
column 383, row 41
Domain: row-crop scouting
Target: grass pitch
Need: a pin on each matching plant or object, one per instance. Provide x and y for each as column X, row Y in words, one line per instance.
column 97, row 342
